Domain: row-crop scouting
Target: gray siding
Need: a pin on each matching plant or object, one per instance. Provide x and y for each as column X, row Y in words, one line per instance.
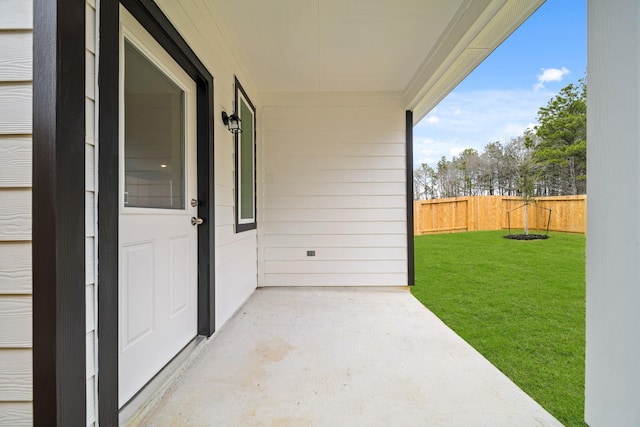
column 16, row 374
column 90, row 207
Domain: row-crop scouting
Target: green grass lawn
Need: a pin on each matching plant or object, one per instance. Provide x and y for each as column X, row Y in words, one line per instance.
column 519, row 303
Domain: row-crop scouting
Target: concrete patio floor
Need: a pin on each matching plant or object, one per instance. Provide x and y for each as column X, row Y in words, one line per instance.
column 341, row 357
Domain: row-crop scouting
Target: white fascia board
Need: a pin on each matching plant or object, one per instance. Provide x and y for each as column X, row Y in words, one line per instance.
column 478, row 29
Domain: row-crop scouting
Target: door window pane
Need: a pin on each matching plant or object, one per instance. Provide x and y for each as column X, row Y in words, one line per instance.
column 154, row 135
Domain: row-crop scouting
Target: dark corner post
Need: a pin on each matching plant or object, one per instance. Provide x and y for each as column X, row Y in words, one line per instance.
column 411, row 273
column 206, row 232
column 108, row 101
column 58, row 222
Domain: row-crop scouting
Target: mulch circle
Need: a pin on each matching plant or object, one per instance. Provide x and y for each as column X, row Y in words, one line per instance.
column 526, row 236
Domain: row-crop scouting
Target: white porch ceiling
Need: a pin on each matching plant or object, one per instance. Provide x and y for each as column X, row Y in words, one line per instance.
column 418, row 48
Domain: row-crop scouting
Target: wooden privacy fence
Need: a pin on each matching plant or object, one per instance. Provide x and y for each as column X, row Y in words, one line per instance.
column 568, row 213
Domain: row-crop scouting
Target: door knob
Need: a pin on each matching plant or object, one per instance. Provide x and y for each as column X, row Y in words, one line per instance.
column 194, row 203
column 196, row 221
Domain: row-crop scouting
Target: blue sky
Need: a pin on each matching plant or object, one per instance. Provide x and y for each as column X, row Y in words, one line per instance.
column 501, row 97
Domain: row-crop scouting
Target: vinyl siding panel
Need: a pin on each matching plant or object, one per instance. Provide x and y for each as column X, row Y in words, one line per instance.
column 236, row 253
column 15, row 268
column 337, row 254
column 15, row 322
column 16, row 376
column 15, row 162
column 311, row 241
column 349, row 266
column 90, row 169
column 334, row 227
column 337, row 176
column 336, row 189
column 335, row 202
column 16, row 15
column 336, row 186
column 15, row 108
column 15, row 215
column 90, row 208
column 16, row 414
column 334, row 214
column 337, row 162
column 333, row 279
column 15, row 56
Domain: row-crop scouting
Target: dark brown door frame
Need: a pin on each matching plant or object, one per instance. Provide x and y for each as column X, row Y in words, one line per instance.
column 157, row 24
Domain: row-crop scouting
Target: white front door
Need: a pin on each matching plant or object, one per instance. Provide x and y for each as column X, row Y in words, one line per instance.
column 158, row 243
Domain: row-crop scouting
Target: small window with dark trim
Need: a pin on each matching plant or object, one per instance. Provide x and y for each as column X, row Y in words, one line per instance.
column 245, row 162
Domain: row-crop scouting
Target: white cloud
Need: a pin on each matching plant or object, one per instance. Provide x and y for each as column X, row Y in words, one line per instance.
column 432, row 119
column 473, row 119
column 455, row 151
column 429, row 150
column 550, row 75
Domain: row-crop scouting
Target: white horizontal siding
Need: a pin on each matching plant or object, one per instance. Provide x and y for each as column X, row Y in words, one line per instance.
column 236, row 272
column 15, row 322
column 91, row 309
column 90, row 214
column 90, row 170
column 347, row 136
column 348, row 266
column 335, row 176
column 335, row 202
column 333, row 181
column 15, row 109
column 16, row 15
column 286, row 145
column 363, row 113
column 16, row 376
column 90, row 69
column 90, row 208
column 16, row 414
column 90, row 348
column 333, row 214
column 90, row 121
column 15, row 268
column 15, row 161
column 334, row 279
column 91, row 402
column 334, row 228
column 335, row 189
column 15, row 215
column 337, row 254
column 337, row 162
column 90, row 263
column 15, row 56
column 312, row 241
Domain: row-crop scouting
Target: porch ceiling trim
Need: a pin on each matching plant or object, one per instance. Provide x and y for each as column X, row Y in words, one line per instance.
column 417, row 50
column 477, row 31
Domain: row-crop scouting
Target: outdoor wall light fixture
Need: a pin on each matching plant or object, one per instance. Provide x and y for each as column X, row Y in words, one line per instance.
column 232, row 122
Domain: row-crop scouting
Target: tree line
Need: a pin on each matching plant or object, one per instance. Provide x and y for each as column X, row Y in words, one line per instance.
column 548, row 160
